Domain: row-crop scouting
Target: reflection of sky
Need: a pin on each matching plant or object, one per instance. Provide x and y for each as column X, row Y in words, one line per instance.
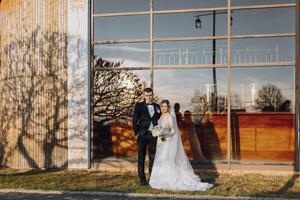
column 106, row 6
column 257, row 21
column 191, row 52
column 261, row 21
column 282, row 77
column 120, row 28
column 135, row 54
column 263, row 50
column 144, row 76
column 179, row 84
column 183, row 25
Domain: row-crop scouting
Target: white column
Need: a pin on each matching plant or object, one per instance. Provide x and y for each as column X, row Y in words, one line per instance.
column 78, row 138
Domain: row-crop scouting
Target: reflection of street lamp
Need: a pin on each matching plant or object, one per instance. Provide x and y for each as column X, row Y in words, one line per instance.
column 198, row 24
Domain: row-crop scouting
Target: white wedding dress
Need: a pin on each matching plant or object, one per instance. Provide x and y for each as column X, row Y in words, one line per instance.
column 172, row 169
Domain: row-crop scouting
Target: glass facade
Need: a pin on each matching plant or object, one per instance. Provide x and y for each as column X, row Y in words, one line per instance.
column 230, row 68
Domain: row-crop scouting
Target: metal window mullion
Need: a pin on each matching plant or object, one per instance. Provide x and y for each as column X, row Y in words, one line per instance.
column 120, row 41
column 189, row 38
column 275, row 64
column 229, row 85
column 288, row 34
column 297, row 91
column 164, row 67
column 195, row 66
column 190, row 10
column 90, row 81
column 281, row 5
column 151, row 43
column 174, row 39
column 204, row 66
column 121, row 14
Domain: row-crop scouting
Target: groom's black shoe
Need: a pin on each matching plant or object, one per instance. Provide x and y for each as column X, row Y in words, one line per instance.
column 143, row 182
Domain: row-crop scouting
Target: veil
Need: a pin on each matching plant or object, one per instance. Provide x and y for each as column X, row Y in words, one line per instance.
column 173, row 115
column 181, row 158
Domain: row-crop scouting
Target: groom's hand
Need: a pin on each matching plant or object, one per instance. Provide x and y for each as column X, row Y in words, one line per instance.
column 137, row 136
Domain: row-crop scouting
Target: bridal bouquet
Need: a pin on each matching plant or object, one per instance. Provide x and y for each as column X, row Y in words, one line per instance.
column 157, row 131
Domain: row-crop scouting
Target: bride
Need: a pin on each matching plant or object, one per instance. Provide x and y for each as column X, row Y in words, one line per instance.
column 172, row 169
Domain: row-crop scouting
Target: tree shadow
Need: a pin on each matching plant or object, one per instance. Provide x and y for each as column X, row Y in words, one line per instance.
column 283, row 192
column 235, row 138
column 289, row 184
column 34, row 91
column 210, row 137
column 31, row 172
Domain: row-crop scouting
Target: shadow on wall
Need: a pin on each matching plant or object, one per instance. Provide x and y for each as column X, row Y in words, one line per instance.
column 34, row 101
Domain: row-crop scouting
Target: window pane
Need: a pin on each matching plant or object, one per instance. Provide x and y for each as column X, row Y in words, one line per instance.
column 111, row 6
column 187, row 4
column 262, row 21
column 202, row 121
column 264, row 50
column 121, row 28
column 115, row 94
column 183, row 25
column 258, row 2
column 129, row 55
column 188, row 53
column 264, row 122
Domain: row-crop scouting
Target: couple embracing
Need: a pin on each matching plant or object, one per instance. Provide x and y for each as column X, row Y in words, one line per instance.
column 169, row 167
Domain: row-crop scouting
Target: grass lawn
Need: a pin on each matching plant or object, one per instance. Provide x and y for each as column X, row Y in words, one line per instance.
column 253, row 185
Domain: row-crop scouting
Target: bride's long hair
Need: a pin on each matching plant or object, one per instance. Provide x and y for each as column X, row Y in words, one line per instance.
column 166, row 101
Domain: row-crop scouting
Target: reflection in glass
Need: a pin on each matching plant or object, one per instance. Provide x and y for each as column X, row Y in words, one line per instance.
column 248, row 84
column 263, row 50
column 263, row 124
column 190, row 53
column 129, row 55
column 187, row 4
column 203, row 130
column 183, row 25
column 112, row 6
column 258, row 2
column 122, row 28
column 262, row 21
column 115, row 94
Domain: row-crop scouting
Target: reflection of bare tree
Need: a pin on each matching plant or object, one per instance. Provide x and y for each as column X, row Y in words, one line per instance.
column 203, row 104
column 270, row 98
column 115, row 91
column 34, row 91
column 115, row 94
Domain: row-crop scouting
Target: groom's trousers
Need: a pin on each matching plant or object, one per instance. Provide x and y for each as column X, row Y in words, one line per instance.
column 144, row 141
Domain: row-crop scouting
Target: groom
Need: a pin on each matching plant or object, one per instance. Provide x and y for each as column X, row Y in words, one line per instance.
column 145, row 117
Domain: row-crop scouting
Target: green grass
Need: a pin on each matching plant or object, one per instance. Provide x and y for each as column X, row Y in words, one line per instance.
column 253, row 185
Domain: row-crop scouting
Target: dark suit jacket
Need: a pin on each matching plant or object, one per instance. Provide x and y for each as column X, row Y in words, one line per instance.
column 141, row 118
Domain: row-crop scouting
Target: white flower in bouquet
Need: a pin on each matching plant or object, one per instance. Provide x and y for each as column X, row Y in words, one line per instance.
column 157, row 131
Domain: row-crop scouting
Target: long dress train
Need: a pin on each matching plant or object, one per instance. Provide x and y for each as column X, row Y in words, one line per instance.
column 172, row 169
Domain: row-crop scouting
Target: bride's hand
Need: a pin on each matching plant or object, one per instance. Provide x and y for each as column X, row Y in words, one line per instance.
column 162, row 137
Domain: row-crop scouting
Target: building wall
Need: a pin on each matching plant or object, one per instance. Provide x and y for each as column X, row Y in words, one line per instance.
column 33, row 83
